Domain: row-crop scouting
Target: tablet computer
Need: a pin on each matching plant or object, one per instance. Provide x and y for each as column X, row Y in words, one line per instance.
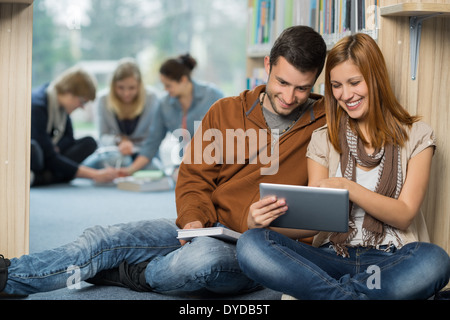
column 310, row 208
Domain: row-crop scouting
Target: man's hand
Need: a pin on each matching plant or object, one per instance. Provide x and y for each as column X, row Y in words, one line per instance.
column 191, row 225
column 266, row 210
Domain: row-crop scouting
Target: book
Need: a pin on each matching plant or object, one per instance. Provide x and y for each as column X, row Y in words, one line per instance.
column 145, row 181
column 215, row 232
column 333, row 19
column 148, row 174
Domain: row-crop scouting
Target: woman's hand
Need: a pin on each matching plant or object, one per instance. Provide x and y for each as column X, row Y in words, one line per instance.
column 98, row 175
column 126, row 147
column 105, row 175
column 335, row 183
column 266, row 210
column 125, row 172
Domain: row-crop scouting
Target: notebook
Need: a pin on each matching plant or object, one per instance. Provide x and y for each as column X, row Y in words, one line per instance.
column 145, row 180
column 215, row 232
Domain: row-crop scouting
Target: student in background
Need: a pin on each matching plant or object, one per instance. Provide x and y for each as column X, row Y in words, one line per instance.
column 55, row 153
column 382, row 155
column 186, row 102
column 125, row 114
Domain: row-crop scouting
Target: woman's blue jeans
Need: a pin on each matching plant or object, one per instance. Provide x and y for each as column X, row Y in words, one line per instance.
column 416, row 271
column 204, row 264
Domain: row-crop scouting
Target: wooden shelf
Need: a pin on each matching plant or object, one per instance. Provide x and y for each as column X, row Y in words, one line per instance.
column 259, row 50
column 415, row 9
column 16, row 35
column 417, row 12
column 16, row 1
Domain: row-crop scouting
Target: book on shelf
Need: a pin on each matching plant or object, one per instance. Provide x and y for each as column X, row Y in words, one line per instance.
column 338, row 19
column 259, row 76
column 333, row 19
column 145, row 181
column 215, row 232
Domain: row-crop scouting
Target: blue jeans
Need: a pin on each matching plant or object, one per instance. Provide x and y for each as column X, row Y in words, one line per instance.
column 416, row 271
column 114, row 159
column 204, row 264
column 111, row 158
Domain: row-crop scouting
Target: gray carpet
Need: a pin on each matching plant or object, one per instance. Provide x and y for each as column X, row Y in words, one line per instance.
column 59, row 214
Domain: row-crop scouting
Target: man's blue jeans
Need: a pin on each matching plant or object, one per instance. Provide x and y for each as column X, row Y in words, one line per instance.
column 205, row 264
column 416, row 271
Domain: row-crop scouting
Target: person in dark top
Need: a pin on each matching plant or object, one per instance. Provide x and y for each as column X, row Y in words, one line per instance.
column 55, row 153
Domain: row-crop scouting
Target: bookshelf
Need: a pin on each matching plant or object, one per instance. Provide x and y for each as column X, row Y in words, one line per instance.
column 423, row 90
column 417, row 13
column 17, row 1
column 16, row 29
column 416, row 9
column 427, row 94
column 333, row 19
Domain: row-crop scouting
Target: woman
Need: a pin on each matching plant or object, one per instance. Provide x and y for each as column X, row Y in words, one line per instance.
column 125, row 114
column 55, row 153
column 373, row 148
column 186, row 102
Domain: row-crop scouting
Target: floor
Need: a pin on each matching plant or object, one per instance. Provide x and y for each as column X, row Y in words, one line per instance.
column 59, row 214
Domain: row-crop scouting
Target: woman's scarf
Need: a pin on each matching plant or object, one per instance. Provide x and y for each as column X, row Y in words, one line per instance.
column 353, row 154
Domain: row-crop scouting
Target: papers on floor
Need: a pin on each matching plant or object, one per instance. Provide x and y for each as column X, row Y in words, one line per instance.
column 215, row 232
column 145, row 180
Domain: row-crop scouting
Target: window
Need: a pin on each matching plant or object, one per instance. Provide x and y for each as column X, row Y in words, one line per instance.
column 97, row 33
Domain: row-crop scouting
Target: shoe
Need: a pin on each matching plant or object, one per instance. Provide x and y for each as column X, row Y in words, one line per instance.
column 108, row 277
column 133, row 276
column 4, row 264
column 7, row 296
column 443, row 295
column 127, row 276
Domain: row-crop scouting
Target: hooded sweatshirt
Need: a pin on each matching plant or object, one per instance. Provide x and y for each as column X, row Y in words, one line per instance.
column 232, row 152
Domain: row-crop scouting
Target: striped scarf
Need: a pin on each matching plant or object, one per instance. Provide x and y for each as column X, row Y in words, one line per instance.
column 353, row 154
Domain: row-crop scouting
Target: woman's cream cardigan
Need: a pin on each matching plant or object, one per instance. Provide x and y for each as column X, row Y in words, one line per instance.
column 421, row 136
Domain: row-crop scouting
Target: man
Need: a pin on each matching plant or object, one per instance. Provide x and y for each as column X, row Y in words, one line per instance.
column 260, row 136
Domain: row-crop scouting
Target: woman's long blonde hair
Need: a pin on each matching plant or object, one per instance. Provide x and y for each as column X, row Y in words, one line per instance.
column 127, row 68
column 386, row 117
